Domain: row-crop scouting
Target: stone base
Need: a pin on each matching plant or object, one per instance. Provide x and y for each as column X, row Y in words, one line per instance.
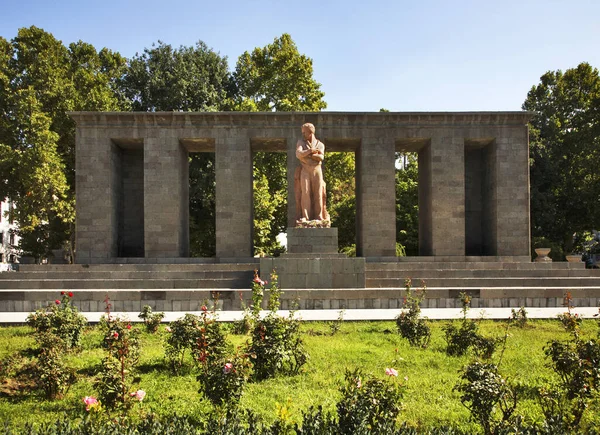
column 313, row 261
column 315, row 272
column 312, row 240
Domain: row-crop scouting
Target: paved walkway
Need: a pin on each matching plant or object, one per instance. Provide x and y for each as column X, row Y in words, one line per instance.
column 324, row 315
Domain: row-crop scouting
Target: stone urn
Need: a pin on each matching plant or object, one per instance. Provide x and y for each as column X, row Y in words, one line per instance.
column 542, row 255
column 574, row 258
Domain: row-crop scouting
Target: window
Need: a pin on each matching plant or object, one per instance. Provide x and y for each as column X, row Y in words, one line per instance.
column 12, row 239
column 1, row 239
column 12, row 258
column 1, row 258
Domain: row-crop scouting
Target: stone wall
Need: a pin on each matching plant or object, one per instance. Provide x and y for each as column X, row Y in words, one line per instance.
column 166, row 138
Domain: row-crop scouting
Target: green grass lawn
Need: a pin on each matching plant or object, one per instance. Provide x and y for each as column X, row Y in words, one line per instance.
column 372, row 346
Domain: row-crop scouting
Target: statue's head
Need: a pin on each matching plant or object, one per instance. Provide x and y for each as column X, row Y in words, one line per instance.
column 308, row 130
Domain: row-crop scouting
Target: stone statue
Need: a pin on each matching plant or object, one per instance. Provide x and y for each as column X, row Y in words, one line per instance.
column 309, row 186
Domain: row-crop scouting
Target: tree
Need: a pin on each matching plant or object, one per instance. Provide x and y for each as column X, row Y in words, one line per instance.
column 339, row 172
column 273, row 78
column 183, row 79
column 407, row 203
column 277, row 78
column 40, row 80
column 565, row 154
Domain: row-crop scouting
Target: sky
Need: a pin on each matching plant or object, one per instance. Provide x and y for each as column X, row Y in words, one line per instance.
column 403, row 56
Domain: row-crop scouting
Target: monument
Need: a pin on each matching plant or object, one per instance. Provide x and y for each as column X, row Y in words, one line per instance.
column 133, row 214
column 312, row 259
column 309, row 186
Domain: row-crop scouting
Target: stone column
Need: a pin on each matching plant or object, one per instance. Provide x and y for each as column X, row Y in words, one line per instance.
column 166, row 202
column 443, row 229
column 98, row 182
column 234, row 213
column 512, row 192
column 376, row 198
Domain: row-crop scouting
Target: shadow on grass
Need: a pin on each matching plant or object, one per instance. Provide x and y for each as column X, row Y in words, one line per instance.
column 90, row 370
column 159, row 366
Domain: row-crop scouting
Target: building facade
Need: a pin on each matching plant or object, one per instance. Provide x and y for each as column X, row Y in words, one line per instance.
column 8, row 239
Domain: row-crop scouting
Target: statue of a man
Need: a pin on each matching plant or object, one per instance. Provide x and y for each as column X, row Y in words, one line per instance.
column 309, row 184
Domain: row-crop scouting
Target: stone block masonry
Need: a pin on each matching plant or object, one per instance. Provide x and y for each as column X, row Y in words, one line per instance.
column 132, row 180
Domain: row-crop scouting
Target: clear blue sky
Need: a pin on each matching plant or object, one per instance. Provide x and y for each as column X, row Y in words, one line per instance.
column 444, row 55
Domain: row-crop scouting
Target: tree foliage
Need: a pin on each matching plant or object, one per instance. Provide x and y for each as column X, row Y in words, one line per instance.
column 277, row 78
column 177, row 79
column 407, row 203
column 40, row 80
column 565, row 154
column 339, row 174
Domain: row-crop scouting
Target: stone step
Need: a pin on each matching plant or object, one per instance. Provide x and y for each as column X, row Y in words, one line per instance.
column 453, row 258
column 487, row 282
column 64, row 284
column 186, row 300
column 481, row 273
column 70, row 268
column 128, row 274
column 474, row 265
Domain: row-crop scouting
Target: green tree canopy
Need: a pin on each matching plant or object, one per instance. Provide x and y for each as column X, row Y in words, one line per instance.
column 277, row 77
column 565, row 154
column 183, row 79
column 40, row 80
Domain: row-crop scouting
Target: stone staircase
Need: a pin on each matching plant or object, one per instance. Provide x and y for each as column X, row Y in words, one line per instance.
column 492, row 282
column 476, row 275
column 503, row 283
column 169, row 287
column 130, row 276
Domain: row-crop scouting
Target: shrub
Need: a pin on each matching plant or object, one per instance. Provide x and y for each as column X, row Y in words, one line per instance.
column 460, row 339
column 201, row 335
column 61, row 319
column 577, row 363
column 222, row 381
column 484, row 392
column 276, row 345
column 244, row 325
column 151, row 320
column 52, row 375
column 336, row 325
column 571, row 321
column 369, row 405
column 519, row 317
column 409, row 322
column 115, row 381
column 211, row 343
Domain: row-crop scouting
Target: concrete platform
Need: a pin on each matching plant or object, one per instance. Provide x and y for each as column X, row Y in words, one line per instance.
column 349, row 315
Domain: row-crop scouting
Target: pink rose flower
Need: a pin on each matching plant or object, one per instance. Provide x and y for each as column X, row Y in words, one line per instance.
column 358, row 383
column 228, row 367
column 391, row 372
column 168, row 329
column 115, row 335
column 89, row 402
column 139, row 394
column 57, row 302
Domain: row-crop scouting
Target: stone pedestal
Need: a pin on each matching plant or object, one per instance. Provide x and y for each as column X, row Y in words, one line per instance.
column 312, row 240
column 313, row 261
